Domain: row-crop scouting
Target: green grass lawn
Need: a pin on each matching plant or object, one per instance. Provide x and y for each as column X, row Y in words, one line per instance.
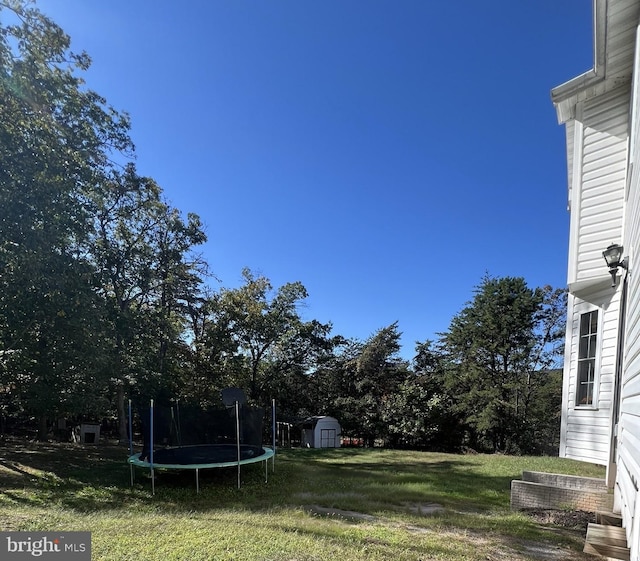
column 298, row 515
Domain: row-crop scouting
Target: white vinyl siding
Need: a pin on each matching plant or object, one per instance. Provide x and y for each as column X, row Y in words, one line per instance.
column 628, row 472
column 623, row 18
column 586, row 429
column 628, row 469
column 599, row 174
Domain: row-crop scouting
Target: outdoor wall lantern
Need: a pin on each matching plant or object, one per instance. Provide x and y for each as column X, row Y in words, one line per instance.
column 613, row 256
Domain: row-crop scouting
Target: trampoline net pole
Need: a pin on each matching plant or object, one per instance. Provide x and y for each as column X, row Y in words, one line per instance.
column 130, row 441
column 179, row 427
column 130, row 431
column 238, row 438
column 174, row 427
column 273, row 434
column 153, row 480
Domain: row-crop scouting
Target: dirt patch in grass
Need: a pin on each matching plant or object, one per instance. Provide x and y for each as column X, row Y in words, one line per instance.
column 572, row 519
column 339, row 513
column 425, row 509
column 571, row 524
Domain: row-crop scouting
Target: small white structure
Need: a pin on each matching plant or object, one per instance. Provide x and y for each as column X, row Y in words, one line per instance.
column 321, row 432
column 89, row 433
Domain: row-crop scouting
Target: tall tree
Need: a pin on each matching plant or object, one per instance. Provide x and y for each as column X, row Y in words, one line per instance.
column 374, row 377
column 56, row 141
column 332, row 379
column 255, row 320
column 289, row 367
column 419, row 414
column 499, row 348
column 142, row 253
column 540, row 401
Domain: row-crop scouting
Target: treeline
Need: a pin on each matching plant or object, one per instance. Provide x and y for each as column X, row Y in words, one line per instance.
column 104, row 296
column 488, row 384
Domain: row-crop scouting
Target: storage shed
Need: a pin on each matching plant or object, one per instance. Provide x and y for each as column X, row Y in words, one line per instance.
column 321, row 432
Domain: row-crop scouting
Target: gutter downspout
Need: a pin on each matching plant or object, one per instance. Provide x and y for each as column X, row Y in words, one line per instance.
column 617, row 390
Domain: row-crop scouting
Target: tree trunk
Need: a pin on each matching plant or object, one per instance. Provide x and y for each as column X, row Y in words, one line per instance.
column 253, row 392
column 42, row 428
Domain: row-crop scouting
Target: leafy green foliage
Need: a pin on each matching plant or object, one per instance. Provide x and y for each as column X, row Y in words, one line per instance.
column 259, row 326
column 94, row 264
column 147, row 276
column 55, row 142
column 369, row 381
column 499, row 350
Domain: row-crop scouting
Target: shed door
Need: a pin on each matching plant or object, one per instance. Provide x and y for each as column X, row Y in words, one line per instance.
column 328, row 438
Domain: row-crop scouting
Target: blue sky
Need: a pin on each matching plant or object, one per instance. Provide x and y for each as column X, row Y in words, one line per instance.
column 385, row 154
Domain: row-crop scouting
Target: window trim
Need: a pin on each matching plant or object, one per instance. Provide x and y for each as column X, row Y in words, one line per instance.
column 596, row 358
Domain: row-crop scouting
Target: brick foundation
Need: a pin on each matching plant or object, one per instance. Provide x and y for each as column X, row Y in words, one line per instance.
column 566, row 481
column 553, row 491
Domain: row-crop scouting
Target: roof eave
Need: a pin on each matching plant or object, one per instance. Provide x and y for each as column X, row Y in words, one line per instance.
column 565, row 96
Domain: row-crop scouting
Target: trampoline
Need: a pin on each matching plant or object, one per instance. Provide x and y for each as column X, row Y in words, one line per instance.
column 215, row 439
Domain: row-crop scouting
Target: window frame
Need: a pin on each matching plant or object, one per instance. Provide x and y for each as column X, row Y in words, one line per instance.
column 594, row 359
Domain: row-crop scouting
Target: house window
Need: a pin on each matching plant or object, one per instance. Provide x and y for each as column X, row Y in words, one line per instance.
column 587, row 357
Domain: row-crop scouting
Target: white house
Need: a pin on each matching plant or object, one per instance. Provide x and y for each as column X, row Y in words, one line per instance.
column 601, row 391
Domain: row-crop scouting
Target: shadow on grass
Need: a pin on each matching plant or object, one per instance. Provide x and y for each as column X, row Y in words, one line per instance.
column 366, row 539
column 63, row 474
column 457, row 482
column 36, row 478
column 89, row 478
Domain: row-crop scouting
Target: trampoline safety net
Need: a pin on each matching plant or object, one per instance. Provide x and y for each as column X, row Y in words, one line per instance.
column 179, row 425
